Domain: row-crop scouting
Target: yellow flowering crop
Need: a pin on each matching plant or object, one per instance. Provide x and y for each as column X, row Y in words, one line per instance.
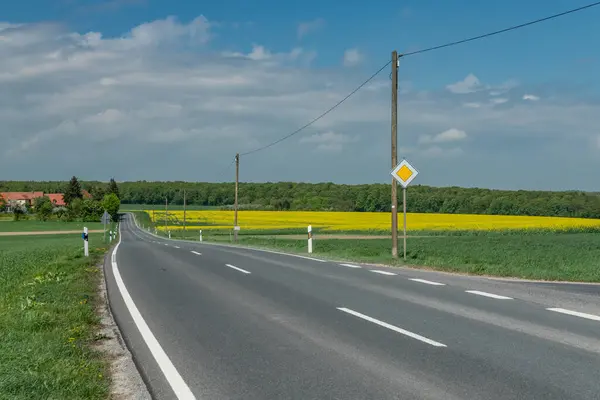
column 359, row 221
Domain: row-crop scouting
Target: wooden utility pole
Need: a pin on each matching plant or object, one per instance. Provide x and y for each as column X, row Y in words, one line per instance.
column 394, row 152
column 235, row 206
column 184, row 213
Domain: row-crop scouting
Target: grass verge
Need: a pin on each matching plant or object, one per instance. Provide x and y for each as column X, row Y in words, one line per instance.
column 558, row 257
column 47, row 301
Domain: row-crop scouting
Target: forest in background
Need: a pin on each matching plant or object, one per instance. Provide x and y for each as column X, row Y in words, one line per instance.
column 336, row 197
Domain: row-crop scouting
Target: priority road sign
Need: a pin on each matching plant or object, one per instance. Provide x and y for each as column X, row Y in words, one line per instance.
column 404, row 173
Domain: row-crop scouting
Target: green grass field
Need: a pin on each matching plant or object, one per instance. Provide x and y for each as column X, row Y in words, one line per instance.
column 47, row 319
column 38, row 226
column 568, row 257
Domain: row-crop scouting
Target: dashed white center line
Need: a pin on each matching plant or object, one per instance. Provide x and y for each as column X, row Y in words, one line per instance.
column 493, row 296
column 196, row 253
column 377, row 271
column 425, row 281
column 392, row 327
column 575, row 313
column 238, row 269
column 166, row 244
column 177, row 247
column 350, row 265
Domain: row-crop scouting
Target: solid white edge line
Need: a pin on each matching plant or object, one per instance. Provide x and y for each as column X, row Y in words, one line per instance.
column 181, row 389
column 236, row 268
column 486, row 294
column 425, row 281
column 575, row 313
column 377, row 271
column 195, row 252
column 350, row 265
column 392, row 327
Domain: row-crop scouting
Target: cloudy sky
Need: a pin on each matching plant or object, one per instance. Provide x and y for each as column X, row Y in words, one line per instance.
column 156, row 90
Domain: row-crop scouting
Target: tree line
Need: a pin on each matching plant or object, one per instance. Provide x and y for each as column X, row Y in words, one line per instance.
column 335, row 197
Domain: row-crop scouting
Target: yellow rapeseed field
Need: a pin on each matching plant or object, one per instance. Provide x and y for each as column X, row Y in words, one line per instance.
column 360, row 221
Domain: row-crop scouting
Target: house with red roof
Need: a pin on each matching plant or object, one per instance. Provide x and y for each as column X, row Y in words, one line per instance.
column 26, row 199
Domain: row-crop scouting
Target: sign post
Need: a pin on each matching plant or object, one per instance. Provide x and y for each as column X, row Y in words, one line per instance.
column 310, row 239
column 84, row 235
column 404, row 173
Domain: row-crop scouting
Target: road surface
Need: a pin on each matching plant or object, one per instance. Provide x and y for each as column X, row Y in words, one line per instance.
column 215, row 322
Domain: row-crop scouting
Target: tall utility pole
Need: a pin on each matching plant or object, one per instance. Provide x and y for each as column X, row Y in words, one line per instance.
column 394, row 152
column 184, row 213
column 235, row 205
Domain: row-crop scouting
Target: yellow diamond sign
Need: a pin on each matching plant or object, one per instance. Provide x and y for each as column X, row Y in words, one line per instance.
column 404, row 173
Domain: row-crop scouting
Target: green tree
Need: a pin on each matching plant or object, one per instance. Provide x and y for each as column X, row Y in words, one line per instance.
column 111, row 204
column 113, row 188
column 97, row 192
column 91, row 210
column 2, row 204
column 19, row 212
column 74, row 209
column 43, row 208
column 73, row 191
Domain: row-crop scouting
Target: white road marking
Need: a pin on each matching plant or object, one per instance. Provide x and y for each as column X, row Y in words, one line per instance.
column 236, row 268
column 195, row 252
column 177, row 247
column 166, row 244
column 575, row 313
column 425, row 281
column 392, row 327
column 493, row 296
column 350, row 266
column 181, row 389
column 377, row 271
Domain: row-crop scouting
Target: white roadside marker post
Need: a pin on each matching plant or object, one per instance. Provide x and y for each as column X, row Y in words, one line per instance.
column 169, row 234
column 310, row 240
column 86, row 250
column 200, row 234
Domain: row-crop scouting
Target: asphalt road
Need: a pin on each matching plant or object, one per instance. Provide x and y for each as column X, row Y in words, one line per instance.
column 215, row 322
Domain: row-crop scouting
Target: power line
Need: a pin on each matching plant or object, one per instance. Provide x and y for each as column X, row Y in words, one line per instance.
column 512, row 28
column 414, row 53
column 320, row 116
column 224, row 170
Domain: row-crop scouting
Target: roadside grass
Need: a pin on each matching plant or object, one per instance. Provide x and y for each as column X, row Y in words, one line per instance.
column 47, row 299
column 38, row 226
column 568, row 257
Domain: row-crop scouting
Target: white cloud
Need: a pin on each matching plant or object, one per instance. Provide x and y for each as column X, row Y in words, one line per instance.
column 499, row 100
column 329, row 141
column 100, row 106
column 530, row 97
column 308, row 27
column 439, row 152
column 352, row 57
column 468, row 85
column 450, row 135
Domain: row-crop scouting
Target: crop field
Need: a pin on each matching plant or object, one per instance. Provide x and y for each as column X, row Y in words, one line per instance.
column 358, row 221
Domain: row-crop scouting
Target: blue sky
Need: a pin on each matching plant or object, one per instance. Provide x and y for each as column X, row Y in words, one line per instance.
column 304, row 43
